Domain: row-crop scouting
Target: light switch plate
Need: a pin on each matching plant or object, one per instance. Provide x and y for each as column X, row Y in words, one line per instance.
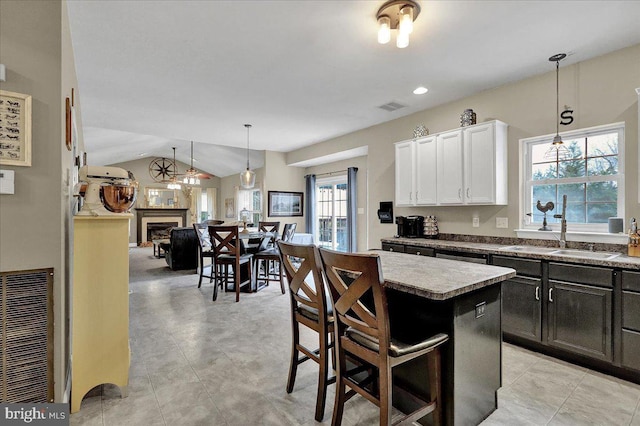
column 502, row 222
column 7, row 182
column 360, row 210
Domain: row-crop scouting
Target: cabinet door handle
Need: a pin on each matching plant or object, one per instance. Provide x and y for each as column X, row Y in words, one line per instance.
column 416, row 195
column 551, row 295
column 537, row 292
column 468, row 196
column 410, row 192
column 460, row 193
column 418, row 253
column 390, row 248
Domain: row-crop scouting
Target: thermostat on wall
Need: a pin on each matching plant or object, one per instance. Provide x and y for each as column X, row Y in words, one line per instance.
column 6, row 181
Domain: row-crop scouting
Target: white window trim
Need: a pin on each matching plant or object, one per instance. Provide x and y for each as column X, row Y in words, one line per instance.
column 576, row 232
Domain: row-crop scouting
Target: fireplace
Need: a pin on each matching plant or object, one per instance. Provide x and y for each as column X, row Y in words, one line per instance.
column 159, row 230
column 153, row 223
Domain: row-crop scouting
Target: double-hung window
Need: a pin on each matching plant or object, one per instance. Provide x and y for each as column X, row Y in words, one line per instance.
column 251, row 200
column 592, row 178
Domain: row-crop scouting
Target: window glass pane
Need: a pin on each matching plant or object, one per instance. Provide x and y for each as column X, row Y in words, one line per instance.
column 602, row 166
column 544, row 194
column 601, row 212
column 576, row 147
column 571, row 168
column 575, row 192
column 537, row 152
column 544, row 171
column 602, row 191
column 602, row 145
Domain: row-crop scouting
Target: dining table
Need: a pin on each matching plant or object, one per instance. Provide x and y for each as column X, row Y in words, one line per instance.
column 253, row 240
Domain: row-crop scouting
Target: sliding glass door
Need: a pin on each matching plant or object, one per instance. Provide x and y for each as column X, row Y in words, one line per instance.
column 331, row 208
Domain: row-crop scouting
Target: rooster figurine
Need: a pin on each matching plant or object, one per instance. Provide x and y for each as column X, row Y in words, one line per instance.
column 544, row 209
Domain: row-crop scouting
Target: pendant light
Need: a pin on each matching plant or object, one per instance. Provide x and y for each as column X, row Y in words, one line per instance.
column 248, row 177
column 558, row 150
column 173, row 181
column 192, row 174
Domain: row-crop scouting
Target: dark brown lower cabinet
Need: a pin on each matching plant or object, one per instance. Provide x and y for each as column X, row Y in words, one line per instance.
column 579, row 319
column 631, row 320
column 521, row 307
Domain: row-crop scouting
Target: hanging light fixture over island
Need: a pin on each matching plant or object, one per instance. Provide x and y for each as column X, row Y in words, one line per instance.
column 248, row 177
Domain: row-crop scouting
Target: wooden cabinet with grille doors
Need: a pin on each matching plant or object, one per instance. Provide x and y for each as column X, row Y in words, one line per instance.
column 100, row 315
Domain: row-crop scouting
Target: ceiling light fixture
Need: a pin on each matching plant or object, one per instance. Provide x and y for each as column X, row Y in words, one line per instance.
column 191, row 177
column 248, row 177
column 420, row 90
column 173, row 181
column 558, row 150
column 397, row 14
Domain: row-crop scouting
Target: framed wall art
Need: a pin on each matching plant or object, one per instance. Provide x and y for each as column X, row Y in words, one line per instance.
column 15, row 129
column 282, row 203
column 229, row 208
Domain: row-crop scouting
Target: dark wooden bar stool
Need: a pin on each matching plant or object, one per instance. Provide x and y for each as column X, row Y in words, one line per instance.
column 205, row 249
column 363, row 332
column 229, row 252
column 311, row 307
column 270, row 258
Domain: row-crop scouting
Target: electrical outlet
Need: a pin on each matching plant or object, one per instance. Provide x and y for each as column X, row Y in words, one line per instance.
column 502, row 222
column 476, row 222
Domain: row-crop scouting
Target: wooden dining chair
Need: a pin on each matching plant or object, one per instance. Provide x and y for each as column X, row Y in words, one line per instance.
column 205, row 251
column 228, row 252
column 267, row 265
column 363, row 332
column 310, row 307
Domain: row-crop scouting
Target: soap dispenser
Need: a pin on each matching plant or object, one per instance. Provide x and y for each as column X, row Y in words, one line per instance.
column 634, row 239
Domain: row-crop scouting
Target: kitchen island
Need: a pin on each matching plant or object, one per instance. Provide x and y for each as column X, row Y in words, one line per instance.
column 429, row 295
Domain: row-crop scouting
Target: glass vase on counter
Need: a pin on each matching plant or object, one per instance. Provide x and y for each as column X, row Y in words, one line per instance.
column 634, row 239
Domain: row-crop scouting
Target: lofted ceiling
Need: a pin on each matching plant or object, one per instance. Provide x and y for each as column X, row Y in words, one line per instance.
column 157, row 74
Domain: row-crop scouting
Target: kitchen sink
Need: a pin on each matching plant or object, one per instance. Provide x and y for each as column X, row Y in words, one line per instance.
column 529, row 249
column 585, row 254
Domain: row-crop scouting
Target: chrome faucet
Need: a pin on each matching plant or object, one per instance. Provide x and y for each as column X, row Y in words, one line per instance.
column 563, row 222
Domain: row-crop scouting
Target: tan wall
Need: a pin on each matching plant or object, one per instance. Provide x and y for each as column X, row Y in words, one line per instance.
column 600, row 91
column 361, row 180
column 36, row 49
column 279, row 177
column 140, row 170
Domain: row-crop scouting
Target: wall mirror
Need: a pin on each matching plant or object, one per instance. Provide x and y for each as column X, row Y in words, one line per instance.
column 161, row 198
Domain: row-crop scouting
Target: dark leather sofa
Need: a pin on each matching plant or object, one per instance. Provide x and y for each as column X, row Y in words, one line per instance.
column 182, row 250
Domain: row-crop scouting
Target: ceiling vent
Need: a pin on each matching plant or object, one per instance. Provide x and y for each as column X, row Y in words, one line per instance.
column 391, row 106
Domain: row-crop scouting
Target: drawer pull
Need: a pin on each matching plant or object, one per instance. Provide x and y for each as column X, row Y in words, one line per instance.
column 551, row 295
column 418, row 253
column 537, row 292
column 390, row 248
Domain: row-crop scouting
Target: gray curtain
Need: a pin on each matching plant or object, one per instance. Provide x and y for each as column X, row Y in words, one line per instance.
column 352, row 201
column 310, row 207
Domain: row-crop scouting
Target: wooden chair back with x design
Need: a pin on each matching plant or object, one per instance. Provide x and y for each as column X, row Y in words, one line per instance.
column 363, row 332
column 205, row 251
column 228, row 251
column 311, row 307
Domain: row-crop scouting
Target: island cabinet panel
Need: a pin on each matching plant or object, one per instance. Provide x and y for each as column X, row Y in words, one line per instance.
column 631, row 320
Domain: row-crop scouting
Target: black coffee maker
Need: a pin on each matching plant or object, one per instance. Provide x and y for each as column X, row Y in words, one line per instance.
column 410, row 226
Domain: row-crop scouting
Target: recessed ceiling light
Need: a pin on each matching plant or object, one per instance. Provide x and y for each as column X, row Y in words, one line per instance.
column 420, row 91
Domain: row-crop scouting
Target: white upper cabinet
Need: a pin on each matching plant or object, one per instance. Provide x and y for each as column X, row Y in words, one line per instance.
column 416, row 172
column 426, row 162
column 405, row 158
column 450, row 167
column 457, row 167
column 485, row 163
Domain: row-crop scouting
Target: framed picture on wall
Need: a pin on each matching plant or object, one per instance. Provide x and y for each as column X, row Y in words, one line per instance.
column 229, row 208
column 282, row 203
column 15, row 132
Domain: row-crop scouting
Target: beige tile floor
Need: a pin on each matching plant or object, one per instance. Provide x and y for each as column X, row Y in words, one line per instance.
column 198, row 362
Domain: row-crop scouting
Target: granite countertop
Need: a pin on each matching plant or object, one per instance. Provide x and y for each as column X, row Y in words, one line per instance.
column 584, row 257
column 437, row 279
